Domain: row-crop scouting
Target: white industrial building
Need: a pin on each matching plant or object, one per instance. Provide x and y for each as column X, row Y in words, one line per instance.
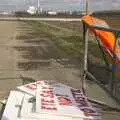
column 31, row 10
column 52, row 13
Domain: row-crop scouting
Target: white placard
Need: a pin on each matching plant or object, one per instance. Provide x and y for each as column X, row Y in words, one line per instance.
column 64, row 101
column 12, row 109
column 61, row 100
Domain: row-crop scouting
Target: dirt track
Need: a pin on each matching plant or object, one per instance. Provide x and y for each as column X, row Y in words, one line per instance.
column 29, row 54
column 8, row 32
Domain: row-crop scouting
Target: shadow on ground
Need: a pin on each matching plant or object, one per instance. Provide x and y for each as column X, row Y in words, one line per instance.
column 100, row 72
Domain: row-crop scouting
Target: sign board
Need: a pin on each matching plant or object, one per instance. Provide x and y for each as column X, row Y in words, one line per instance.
column 12, row 108
column 61, row 100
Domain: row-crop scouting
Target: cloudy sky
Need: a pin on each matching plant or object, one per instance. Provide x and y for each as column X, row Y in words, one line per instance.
column 60, row 4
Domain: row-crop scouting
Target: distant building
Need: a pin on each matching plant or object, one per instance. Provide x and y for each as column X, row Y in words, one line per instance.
column 5, row 13
column 31, row 10
column 52, row 13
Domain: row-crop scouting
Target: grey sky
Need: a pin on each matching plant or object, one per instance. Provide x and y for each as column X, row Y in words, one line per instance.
column 60, row 4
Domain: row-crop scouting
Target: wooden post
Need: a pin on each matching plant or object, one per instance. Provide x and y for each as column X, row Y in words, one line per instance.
column 85, row 38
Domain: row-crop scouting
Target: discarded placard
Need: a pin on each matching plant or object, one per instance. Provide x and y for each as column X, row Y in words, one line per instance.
column 61, row 100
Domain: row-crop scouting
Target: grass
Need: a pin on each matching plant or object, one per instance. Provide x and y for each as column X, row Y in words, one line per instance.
column 68, row 40
column 68, row 37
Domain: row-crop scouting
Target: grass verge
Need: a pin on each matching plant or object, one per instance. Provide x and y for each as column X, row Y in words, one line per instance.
column 67, row 40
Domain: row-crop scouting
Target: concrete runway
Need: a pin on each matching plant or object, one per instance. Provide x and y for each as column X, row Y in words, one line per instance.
column 39, row 19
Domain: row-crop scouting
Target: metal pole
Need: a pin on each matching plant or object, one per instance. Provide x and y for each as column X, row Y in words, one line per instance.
column 87, row 7
column 85, row 38
column 38, row 6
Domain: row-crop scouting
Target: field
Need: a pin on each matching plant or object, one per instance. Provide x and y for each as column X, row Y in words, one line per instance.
column 68, row 37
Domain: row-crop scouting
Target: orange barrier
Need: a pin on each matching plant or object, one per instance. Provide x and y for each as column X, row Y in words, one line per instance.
column 107, row 38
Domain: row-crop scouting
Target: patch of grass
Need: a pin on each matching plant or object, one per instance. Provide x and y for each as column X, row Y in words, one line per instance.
column 68, row 40
column 73, row 44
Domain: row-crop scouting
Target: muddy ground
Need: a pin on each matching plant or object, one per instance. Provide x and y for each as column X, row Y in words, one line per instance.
column 26, row 54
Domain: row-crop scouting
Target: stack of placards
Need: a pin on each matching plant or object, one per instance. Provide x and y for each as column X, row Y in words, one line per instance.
column 59, row 99
column 42, row 101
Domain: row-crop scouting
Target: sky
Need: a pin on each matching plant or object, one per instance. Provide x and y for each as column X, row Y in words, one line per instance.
column 59, row 5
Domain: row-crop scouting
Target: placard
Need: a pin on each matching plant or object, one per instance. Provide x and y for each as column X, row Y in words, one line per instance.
column 60, row 99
